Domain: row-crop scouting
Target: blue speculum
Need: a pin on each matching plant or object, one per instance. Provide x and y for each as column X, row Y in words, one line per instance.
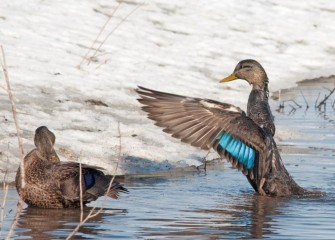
column 238, row 149
column 89, row 180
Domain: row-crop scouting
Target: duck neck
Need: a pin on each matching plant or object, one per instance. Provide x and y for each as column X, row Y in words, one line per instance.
column 262, row 88
column 259, row 93
column 42, row 155
column 258, row 107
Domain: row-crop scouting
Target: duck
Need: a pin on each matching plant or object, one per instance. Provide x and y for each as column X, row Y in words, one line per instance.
column 51, row 183
column 246, row 140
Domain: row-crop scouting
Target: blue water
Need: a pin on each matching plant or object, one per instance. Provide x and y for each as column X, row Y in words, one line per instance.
column 216, row 204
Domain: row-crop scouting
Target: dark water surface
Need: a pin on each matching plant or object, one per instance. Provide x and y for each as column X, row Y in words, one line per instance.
column 218, row 204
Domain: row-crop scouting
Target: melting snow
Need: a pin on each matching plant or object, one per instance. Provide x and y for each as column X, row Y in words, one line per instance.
column 182, row 47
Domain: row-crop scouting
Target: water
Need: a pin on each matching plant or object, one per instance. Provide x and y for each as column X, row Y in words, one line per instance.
column 218, row 204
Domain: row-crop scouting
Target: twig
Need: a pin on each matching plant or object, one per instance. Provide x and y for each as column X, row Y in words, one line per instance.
column 81, row 192
column 307, row 106
column 2, row 210
column 5, row 190
column 291, row 100
column 113, row 30
column 280, row 109
column 104, row 62
column 91, row 214
column 3, row 204
column 5, row 187
column 118, row 160
column 19, row 207
column 204, row 161
column 11, row 98
column 99, row 34
column 327, row 89
column 293, row 109
column 326, row 97
column 316, row 101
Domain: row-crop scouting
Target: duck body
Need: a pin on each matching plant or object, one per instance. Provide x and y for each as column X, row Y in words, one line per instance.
column 50, row 183
column 245, row 140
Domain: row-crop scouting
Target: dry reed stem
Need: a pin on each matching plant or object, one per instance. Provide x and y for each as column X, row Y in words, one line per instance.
column 81, row 192
column 326, row 98
column 99, row 34
column 96, row 50
column 91, row 214
column 118, row 160
column 5, row 189
column 2, row 210
column 307, row 106
column 19, row 205
column 114, row 29
column 101, row 64
column 2, row 214
column 11, row 99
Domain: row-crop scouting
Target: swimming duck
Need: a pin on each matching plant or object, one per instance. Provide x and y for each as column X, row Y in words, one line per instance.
column 246, row 140
column 50, row 183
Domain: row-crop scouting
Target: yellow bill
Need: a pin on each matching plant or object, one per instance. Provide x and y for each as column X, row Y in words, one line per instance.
column 231, row 77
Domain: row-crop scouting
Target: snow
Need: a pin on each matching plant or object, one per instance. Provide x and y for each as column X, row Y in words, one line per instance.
column 177, row 46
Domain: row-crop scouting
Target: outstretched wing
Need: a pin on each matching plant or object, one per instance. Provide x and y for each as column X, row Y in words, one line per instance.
column 209, row 124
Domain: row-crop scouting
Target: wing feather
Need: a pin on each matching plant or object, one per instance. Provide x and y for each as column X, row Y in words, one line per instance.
column 209, row 124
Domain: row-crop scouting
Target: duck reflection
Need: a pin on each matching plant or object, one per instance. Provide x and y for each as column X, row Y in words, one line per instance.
column 59, row 223
column 263, row 210
column 250, row 216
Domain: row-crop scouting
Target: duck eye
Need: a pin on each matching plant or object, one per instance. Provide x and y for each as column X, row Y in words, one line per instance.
column 246, row 66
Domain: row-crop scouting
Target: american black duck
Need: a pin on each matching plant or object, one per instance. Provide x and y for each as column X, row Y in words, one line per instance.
column 246, row 140
column 50, row 183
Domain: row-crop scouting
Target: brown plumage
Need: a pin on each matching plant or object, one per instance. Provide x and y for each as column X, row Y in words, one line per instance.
column 50, row 183
column 246, row 140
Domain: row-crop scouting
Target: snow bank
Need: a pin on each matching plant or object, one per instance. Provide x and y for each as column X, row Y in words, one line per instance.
column 177, row 46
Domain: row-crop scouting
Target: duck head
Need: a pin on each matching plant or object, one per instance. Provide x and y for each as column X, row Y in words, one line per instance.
column 251, row 71
column 44, row 141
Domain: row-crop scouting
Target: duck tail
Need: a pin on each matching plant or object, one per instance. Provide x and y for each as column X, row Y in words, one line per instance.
column 115, row 189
